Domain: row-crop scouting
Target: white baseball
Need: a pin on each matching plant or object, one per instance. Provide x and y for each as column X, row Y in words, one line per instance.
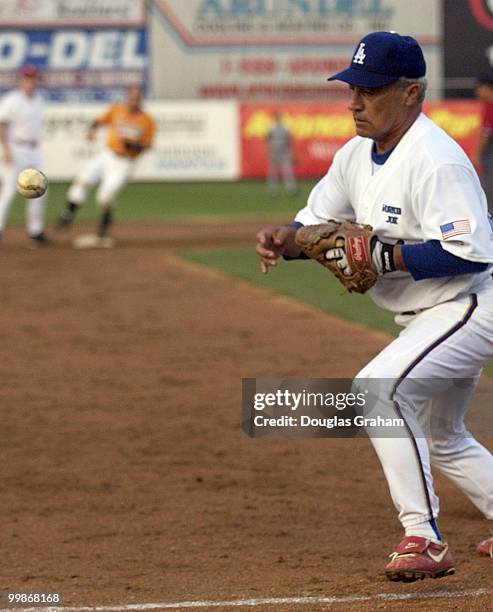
column 31, row 183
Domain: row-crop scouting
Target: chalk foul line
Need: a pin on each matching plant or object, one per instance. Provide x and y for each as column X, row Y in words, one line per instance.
column 252, row 603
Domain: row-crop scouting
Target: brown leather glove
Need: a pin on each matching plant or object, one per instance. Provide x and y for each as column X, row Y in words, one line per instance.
column 344, row 248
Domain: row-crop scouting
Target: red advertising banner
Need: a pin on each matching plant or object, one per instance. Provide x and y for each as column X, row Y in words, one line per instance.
column 318, row 130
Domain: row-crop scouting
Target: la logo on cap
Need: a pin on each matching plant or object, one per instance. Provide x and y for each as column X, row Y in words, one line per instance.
column 380, row 58
column 359, row 56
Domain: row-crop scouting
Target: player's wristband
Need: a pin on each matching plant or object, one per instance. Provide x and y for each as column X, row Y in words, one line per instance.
column 296, row 225
column 382, row 256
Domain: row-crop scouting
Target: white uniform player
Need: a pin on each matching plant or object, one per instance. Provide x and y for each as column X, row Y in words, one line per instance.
column 20, row 134
column 414, row 185
column 426, row 184
column 21, row 117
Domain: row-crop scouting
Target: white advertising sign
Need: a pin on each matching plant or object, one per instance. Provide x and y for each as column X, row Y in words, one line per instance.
column 59, row 13
column 271, row 50
column 195, row 140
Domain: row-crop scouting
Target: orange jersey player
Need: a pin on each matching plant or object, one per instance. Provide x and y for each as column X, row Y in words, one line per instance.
column 130, row 129
column 130, row 132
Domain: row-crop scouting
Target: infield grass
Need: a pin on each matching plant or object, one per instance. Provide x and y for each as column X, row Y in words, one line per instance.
column 144, row 201
column 305, row 281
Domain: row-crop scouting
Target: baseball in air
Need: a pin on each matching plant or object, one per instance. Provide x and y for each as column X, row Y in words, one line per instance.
column 31, row 183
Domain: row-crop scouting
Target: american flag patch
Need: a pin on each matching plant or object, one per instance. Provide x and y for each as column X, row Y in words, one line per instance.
column 455, row 228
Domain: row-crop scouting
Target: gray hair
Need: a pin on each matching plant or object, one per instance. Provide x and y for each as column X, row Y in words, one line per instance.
column 421, row 81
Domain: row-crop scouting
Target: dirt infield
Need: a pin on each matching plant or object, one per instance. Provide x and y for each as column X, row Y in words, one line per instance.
column 126, row 478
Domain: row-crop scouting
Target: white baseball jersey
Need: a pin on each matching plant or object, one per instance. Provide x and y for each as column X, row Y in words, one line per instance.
column 23, row 115
column 426, row 190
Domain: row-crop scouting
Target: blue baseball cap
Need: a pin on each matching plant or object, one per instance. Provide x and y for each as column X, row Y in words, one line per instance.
column 381, row 58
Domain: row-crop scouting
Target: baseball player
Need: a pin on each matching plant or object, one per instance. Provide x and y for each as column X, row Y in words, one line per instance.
column 433, row 253
column 130, row 131
column 280, row 157
column 20, row 135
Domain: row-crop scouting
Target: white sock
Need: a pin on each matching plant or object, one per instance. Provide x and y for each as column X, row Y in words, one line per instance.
column 423, row 530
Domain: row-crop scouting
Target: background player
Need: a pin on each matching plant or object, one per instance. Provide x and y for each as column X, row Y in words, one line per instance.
column 280, row 155
column 410, row 181
column 130, row 132
column 21, row 116
column 484, row 153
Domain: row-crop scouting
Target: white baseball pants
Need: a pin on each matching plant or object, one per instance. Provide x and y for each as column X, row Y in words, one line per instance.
column 433, row 368
column 24, row 157
column 282, row 165
column 111, row 171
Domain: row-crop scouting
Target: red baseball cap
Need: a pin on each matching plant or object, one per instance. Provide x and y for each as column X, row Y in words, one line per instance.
column 29, row 70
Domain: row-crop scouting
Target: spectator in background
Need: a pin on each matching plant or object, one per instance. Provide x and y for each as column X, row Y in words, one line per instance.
column 483, row 157
column 281, row 159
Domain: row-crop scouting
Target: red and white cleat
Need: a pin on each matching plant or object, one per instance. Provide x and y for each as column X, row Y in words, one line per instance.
column 415, row 558
column 486, row 547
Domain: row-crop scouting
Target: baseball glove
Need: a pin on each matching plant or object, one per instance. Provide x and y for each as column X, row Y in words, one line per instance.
column 133, row 147
column 344, row 248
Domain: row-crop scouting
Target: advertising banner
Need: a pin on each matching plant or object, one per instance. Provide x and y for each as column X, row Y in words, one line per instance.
column 86, row 51
column 194, row 141
column 76, row 64
column 318, row 130
column 63, row 13
column 274, row 50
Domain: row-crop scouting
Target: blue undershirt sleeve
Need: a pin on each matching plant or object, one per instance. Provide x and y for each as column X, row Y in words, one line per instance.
column 430, row 260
